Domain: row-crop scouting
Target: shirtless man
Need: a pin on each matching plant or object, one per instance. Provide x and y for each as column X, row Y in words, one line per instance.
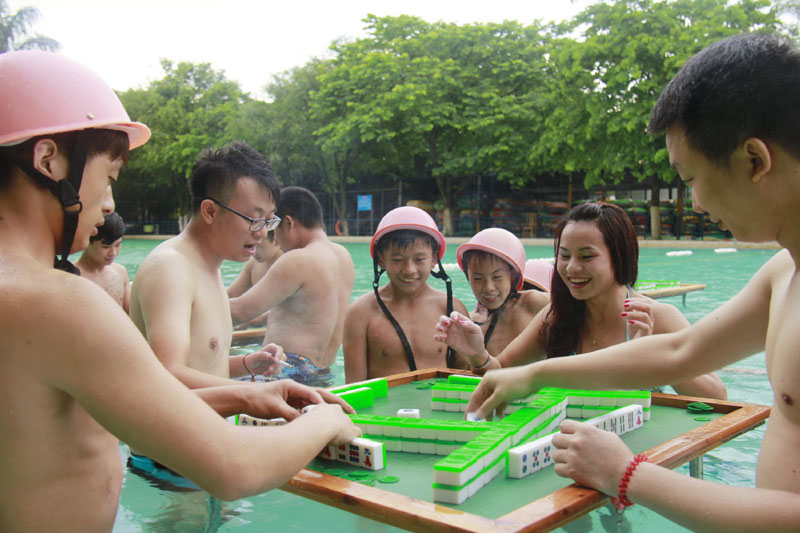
column 178, row 300
column 306, row 291
column 69, row 384
column 267, row 252
column 407, row 245
column 97, row 261
column 730, row 116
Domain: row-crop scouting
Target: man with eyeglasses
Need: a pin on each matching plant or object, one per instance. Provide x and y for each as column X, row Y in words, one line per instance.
column 306, row 291
column 178, row 299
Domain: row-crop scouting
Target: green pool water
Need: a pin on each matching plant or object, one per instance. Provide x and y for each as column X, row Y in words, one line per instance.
column 145, row 507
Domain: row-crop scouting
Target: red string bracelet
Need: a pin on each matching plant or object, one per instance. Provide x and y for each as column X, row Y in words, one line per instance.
column 622, row 501
column 244, row 364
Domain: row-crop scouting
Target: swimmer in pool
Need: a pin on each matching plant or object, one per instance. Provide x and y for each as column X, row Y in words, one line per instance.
column 77, row 374
column 730, row 116
column 306, row 291
column 97, row 261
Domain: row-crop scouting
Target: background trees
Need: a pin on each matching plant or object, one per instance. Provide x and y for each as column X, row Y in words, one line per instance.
column 437, row 106
column 15, row 30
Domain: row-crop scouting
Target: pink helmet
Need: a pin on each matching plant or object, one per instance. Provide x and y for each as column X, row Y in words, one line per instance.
column 539, row 273
column 44, row 93
column 499, row 242
column 407, row 217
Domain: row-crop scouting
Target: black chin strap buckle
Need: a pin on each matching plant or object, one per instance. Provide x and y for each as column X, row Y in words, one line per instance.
column 68, row 196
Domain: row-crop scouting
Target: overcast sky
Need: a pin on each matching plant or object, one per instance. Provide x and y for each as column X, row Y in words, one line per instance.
column 123, row 40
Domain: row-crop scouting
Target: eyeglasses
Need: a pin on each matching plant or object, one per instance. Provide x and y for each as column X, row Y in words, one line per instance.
column 256, row 224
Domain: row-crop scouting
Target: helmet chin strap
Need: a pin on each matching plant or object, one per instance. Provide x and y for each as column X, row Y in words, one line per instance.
column 66, row 191
column 441, row 274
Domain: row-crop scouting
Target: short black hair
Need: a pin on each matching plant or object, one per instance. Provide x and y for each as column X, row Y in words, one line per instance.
column 300, row 204
column 100, row 141
column 216, row 173
column 403, row 238
column 741, row 87
column 112, row 229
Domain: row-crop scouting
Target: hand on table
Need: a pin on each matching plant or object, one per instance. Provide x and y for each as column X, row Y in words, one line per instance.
column 592, row 457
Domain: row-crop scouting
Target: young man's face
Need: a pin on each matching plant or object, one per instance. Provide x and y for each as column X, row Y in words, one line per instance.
column 104, row 254
column 99, row 174
column 726, row 195
column 265, row 249
column 490, row 280
column 408, row 268
column 583, row 261
column 233, row 232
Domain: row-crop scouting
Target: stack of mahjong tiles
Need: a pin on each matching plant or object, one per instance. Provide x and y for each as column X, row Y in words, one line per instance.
column 461, row 474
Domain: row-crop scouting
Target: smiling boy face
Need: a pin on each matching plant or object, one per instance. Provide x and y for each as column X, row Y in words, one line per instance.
column 407, row 267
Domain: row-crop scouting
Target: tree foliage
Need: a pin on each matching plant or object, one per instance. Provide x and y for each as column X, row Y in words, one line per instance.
column 188, row 110
column 604, row 83
column 435, row 105
column 15, row 30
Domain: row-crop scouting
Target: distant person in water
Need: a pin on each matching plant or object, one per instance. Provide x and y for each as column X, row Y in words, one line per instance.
column 390, row 330
column 267, row 252
column 306, row 291
column 97, row 260
column 593, row 304
column 493, row 261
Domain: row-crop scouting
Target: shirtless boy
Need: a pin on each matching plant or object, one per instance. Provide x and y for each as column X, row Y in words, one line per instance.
column 267, row 252
column 730, row 116
column 494, row 262
column 97, row 261
column 306, row 291
column 407, row 245
column 178, row 300
column 71, row 390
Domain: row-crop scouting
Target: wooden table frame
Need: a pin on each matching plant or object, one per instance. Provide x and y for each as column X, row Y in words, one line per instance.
column 548, row 512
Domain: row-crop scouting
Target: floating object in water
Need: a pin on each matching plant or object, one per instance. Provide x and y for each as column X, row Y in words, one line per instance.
column 679, row 252
column 725, row 250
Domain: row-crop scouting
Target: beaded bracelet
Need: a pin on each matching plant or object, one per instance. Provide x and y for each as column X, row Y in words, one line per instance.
column 622, row 501
column 244, row 364
column 484, row 365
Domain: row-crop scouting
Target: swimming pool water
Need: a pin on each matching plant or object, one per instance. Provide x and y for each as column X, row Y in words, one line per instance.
column 144, row 507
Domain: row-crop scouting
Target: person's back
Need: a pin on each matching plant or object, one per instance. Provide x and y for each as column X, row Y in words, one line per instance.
column 97, row 261
column 309, row 322
column 391, row 330
column 306, row 291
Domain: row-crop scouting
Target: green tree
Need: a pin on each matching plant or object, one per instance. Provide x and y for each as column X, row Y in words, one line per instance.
column 15, row 30
column 604, row 84
column 191, row 108
column 456, row 100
